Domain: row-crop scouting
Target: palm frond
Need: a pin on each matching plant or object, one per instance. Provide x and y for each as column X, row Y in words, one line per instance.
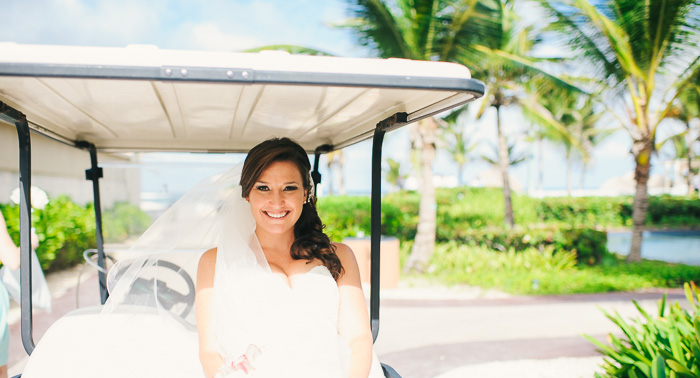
column 292, row 49
column 471, row 22
column 529, row 68
column 584, row 39
column 375, row 26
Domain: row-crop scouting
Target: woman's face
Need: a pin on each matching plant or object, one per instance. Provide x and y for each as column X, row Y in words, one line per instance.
column 277, row 198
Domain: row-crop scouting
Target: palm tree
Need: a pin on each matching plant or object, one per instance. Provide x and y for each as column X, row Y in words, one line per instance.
column 505, row 60
column 456, row 141
column 423, row 30
column 574, row 114
column 513, row 158
column 687, row 110
column 336, row 161
column 393, row 174
column 646, row 51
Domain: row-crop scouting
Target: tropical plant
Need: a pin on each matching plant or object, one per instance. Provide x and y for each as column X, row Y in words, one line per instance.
column 336, row 162
column 456, row 141
column 647, row 54
column 393, row 174
column 667, row 345
column 687, row 110
column 505, row 60
column 292, row 49
column 423, row 30
column 570, row 119
column 513, row 158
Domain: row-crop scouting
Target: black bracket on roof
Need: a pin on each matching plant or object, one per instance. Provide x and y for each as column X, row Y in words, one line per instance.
column 394, row 122
column 315, row 174
column 94, row 174
column 9, row 114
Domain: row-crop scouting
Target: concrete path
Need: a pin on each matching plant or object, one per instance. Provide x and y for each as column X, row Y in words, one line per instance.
column 501, row 337
column 437, row 332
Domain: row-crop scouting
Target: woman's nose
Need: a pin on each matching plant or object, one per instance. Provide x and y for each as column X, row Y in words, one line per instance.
column 277, row 198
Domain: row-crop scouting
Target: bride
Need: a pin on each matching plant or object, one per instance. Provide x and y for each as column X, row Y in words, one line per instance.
column 281, row 300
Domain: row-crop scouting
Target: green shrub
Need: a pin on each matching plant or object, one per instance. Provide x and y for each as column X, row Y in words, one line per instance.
column 349, row 216
column 66, row 229
column 667, row 210
column 585, row 211
column 662, row 211
column 524, row 272
column 665, row 345
column 589, row 245
column 345, row 216
column 458, row 208
column 122, row 221
column 475, row 216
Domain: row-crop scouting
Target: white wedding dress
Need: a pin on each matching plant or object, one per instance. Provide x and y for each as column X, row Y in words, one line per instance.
column 294, row 324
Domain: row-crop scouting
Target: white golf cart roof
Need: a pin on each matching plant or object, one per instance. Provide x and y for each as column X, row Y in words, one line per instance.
column 142, row 98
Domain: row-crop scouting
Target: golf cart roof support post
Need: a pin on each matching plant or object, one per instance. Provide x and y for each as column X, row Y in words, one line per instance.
column 94, row 174
column 391, row 123
column 25, row 229
column 315, row 174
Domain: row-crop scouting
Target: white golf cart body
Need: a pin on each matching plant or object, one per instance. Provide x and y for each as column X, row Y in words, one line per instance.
column 141, row 98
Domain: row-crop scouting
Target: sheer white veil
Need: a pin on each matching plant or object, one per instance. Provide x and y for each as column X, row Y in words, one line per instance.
column 158, row 273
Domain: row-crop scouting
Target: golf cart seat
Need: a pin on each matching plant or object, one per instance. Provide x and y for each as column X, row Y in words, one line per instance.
column 87, row 344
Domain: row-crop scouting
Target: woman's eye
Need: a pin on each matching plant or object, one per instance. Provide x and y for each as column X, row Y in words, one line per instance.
column 262, row 188
column 290, row 188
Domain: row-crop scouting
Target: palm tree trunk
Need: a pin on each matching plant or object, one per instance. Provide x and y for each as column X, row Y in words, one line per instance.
column 424, row 244
column 540, row 164
column 642, row 150
column 332, row 174
column 691, row 190
column 504, row 163
column 568, row 173
column 340, row 166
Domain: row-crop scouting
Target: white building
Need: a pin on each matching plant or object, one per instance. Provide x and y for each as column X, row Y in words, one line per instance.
column 60, row 169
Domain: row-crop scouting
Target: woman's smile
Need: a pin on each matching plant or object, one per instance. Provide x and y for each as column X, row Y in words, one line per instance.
column 277, row 198
column 276, row 214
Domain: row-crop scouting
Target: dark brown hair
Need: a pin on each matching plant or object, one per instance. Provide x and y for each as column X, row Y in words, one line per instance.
column 310, row 242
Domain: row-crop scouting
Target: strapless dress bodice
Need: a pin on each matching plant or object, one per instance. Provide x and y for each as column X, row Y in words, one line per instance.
column 295, row 324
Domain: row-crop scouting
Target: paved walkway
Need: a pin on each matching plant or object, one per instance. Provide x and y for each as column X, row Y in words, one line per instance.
column 501, row 337
column 437, row 332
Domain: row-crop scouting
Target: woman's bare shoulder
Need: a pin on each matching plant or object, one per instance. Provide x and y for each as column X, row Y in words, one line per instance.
column 344, row 252
column 208, row 258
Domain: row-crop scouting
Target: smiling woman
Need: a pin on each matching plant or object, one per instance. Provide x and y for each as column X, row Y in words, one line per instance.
column 319, row 308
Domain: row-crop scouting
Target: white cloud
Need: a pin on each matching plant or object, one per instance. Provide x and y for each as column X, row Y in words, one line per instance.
column 209, row 36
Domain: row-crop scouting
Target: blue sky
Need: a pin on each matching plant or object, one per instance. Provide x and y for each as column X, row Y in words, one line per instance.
column 237, row 25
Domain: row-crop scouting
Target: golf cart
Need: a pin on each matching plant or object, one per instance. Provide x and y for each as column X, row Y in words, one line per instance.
column 141, row 98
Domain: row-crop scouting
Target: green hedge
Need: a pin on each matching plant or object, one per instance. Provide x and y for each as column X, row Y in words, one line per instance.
column 662, row 211
column 475, row 208
column 66, row 229
column 474, row 216
column 589, row 245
